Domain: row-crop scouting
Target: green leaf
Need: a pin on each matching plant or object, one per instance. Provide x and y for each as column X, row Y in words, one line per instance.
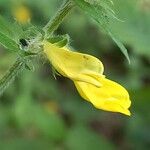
column 5, row 27
column 13, row 31
column 102, row 13
column 97, row 12
column 121, row 46
column 60, row 41
column 135, row 30
column 17, row 32
column 8, row 43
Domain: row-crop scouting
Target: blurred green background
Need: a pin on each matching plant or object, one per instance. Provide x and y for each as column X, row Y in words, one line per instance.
column 38, row 112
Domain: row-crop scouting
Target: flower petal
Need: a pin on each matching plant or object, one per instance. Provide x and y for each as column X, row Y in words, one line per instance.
column 74, row 65
column 110, row 96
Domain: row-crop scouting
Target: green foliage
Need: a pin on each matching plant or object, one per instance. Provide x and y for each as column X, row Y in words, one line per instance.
column 102, row 13
column 98, row 10
column 61, row 41
column 135, row 28
column 8, row 43
column 120, row 45
column 6, row 33
column 5, row 27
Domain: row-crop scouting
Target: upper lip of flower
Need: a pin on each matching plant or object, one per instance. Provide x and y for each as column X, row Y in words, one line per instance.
column 74, row 65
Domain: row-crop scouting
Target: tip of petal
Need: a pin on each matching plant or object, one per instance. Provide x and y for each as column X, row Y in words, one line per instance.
column 112, row 106
column 126, row 112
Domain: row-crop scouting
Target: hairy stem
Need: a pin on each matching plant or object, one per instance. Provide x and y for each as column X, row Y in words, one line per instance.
column 10, row 75
column 54, row 23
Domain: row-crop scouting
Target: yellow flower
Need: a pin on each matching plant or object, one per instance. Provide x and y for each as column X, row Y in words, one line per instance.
column 22, row 14
column 86, row 72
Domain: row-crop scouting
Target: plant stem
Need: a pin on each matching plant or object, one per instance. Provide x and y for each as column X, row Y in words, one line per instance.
column 10, row 75
column 54, row 23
